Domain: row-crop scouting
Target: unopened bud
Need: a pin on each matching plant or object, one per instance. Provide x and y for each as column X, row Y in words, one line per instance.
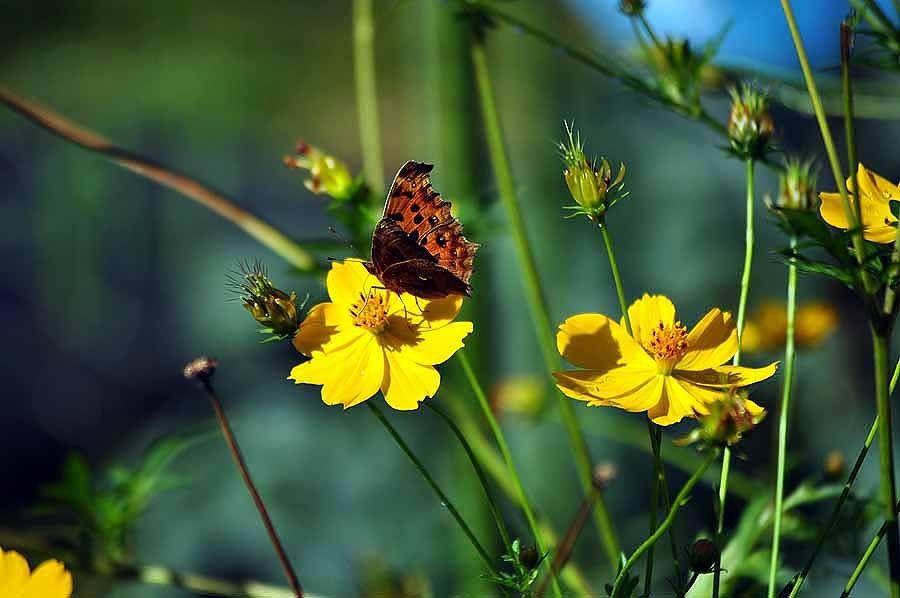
column 591, row 183
column 603, row 474
column 274, row 309
column 703, row 556
column 729, row 419
column 328, row 175
column 797, row 186
column 530, row 557
column 750, row 126
column 201, row 368
column 835, row 466
column 632, row 8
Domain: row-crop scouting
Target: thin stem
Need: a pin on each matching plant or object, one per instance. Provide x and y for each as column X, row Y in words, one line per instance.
column 260, row 230
column 680, row 499
column 367, row 94
column 749, row 240
column 524, row 502
column 833, row 160
column 864, row 559
column 847, row 99
column 199, row 584
column 784, row 411
column 881, row 346
column 533, row 290
column 445, row 501
column 251, row 487
column 573, row 532
column 653, row 432
column 492, row 505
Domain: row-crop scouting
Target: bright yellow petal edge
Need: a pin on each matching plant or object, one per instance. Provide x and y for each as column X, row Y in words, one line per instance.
column 664, row 370
column 49, row 580
column 876, row 193
column 368, row 339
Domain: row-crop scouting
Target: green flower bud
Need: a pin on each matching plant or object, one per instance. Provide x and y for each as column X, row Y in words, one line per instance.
column 703, row 556
column 274, row 309
column 750, row 126
column 328, row 175
column 797, row 186
column 632, row 8
column 590, row 184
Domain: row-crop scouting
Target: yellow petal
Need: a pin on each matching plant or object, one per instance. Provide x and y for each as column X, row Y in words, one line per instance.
column 435, row 312
column 591, row 341
column 425, row 345
column 712, row 342
column 832, row 209
column 407, row 383
column 346, row 281
column 754, row 409
column 675, row 404
column 14, row 574
column 580, row 385
column 727, row 375
column 646, row 314
column 321, row 326
column 640, row 398
column 876, row 193
column 348, row 375
column 876, row 186
column 49, row 580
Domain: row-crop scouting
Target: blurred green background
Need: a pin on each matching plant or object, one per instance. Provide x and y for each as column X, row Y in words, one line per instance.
column 110, row 283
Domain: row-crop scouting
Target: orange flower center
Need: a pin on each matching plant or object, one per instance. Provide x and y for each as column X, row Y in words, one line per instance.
column 370, row 311
column 668, row 344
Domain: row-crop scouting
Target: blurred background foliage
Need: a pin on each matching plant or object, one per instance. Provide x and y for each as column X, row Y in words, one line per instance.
column 111, row 283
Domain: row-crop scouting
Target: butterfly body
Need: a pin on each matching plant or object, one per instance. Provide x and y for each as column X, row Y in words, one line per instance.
column 418, row 247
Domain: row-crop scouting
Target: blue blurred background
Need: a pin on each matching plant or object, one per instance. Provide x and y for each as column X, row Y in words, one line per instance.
column 110, row 283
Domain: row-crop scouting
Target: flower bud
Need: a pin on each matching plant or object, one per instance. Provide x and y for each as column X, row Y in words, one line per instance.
column 750, row 126
column 797, row 186
column 328, row 175
column 703, row 556
column 729, row 418
column 201, row 368
column 590, row 184
column 632, row 8
column 274, row 309
column 530, row 557
column 834, row 467
column 603, row 474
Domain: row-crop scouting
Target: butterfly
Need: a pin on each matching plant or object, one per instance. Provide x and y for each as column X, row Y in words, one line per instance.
column 418, row 247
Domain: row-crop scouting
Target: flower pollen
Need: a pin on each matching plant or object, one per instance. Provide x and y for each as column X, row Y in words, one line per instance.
column 370, row 312
column 668, row 344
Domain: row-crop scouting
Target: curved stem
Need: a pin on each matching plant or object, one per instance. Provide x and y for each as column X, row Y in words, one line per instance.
column 241, row 464
column 680, row 499
column 445, row 501
column 881, row 345
column 533, row 290
column 492, row 505
column 507, row 458
column 260, row 230
column 784, row 413
column 367, row 94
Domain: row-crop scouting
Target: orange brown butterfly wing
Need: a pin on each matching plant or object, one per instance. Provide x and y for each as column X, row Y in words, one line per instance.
column 421, row 212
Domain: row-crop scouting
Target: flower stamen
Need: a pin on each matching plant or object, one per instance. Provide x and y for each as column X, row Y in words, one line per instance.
column 370, row 311
column 668, row 344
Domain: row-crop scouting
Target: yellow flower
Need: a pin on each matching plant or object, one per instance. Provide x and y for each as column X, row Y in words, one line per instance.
column 664, row 370
column 766, row 330
column 879, row 224
column 368, row 339
column 49, row 580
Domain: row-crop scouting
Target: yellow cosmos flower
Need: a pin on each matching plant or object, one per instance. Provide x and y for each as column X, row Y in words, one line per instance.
column 664, row 370
column 368, row 339
column 879, row 224
column 49, row 580
column 766, row 330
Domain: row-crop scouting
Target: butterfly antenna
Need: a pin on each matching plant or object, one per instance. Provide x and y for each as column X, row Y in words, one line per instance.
column 341, row 238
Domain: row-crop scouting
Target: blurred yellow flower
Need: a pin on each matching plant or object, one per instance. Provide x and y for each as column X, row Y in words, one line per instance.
column 766, row 329
column 879, row 224
column 49, row 580
column 664, row 370
column 368, row 339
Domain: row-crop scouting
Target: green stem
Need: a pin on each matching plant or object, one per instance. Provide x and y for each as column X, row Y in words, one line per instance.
column 784, row 411
column 533, row 291
column 367, row 94
column 680, row 499
column 482, row 478
column 833, row 160
column 749, row 240
column 653, row 432
column 445, row 501
column 507, row 457
column 881, row 344
column 847, row 97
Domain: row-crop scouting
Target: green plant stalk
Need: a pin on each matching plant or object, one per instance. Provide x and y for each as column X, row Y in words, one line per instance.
column 653, row 432
column 881, row 344
column 367, row 94
column 507, row 458
column 445, row 501
column 534, row 293
column 833, row 159
column 749, row 240
column 847, row 100
column 680, row 499
column 482, row 478
column 784, row 411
